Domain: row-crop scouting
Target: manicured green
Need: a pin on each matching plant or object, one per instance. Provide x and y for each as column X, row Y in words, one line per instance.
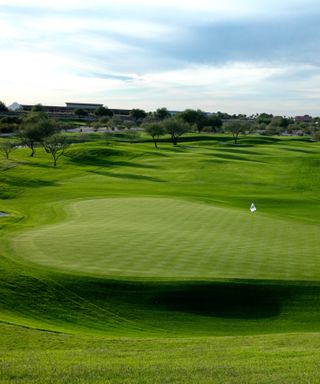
column 161, row 237
column 151, row 268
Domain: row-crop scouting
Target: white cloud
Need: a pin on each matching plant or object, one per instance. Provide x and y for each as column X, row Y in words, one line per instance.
column 212, row 8
column 49, row 56
column 234, row 87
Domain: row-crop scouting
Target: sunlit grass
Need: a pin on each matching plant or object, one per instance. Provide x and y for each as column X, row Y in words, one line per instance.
column 138, row 257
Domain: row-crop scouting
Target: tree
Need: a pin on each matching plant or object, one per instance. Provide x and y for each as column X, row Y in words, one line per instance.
column 235, row 128
column 115, row 123
column 264, row 118
column 175, row 128
column 194, row 117
column 81, row 112
column 316, row 135
column 155, row 130
column 37, row 108
column 101, row 123
column 6, row 147
column 3, row 107
column 9, row 124
column 35, row 127
column 280, row 122
column 161, row 114
column 56, row 146
column 214, row 122
column 103, row 111
column 137, row 114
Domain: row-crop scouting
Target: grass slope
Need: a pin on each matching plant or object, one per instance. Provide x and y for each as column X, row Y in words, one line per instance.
column 31, row 356
column 171, row 215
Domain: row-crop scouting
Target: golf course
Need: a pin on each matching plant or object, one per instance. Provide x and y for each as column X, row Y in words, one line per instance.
column 127, row 263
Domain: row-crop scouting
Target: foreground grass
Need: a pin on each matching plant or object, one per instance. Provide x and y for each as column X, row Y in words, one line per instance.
column 32, row 356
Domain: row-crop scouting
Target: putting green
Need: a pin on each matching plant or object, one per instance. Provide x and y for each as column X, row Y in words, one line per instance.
column 171, row 238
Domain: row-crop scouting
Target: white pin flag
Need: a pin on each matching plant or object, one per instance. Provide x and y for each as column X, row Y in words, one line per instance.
column 253, row 208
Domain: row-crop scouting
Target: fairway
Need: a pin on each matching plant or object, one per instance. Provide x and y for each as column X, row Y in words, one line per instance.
column 173, row 238
column 129, row 264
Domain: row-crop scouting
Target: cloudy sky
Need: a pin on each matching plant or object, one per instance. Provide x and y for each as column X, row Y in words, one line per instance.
column 237, row 56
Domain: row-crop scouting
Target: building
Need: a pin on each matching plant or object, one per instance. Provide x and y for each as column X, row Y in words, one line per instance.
column 303, row 119
column 68, row 110
column 88, row 107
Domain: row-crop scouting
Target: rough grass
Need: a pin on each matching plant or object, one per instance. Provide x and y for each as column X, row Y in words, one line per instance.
column 30, row 356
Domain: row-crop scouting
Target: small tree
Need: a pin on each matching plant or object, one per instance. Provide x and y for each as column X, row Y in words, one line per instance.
column 9, row 124
column 3, row 107
column 37, row 108
column 35, row 128
column 155, row 130
column 194, row 117
column 6, row 147
column 115, row 123
column 214, row 122
column 137, row 114
column 81, row 112
column 175, row 128
column 56, row 146
column 235, row 128
column 103, row 111
column 161, row 113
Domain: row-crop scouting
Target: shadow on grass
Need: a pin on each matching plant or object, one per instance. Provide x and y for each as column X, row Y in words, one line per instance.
column 105, row 304
column 239, row 300
column 40, row 165
column 101, row 157
column 299, row 150
column 128, row 176
column 239, row 151
column 225, row 300
column 228, row 156
column 19, row 181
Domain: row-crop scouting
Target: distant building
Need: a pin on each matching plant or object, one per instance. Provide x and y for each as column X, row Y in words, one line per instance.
column 68, row 110
column 85, row 106
column 303, row 119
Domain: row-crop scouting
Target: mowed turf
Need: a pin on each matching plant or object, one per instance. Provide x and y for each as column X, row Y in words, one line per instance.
column 94, row 251
column 174, row 238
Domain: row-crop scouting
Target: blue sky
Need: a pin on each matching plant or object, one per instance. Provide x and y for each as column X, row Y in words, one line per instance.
column 238, row 56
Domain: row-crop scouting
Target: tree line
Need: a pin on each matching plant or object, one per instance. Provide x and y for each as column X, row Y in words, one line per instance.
column 36, row 128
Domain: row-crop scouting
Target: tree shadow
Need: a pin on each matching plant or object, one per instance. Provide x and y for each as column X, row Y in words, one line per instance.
column 299, row 150
column 19, row 181
column 93, row 158
column 239, row 151
column 128, row 176
column 40, row 165
column 228, row 156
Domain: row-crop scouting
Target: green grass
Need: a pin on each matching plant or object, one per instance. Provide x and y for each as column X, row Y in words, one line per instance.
column 151, row 268
column 31, row 356
column 161, row 237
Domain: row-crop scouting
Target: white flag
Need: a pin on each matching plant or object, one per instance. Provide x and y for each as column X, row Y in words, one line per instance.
column 253, row 208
